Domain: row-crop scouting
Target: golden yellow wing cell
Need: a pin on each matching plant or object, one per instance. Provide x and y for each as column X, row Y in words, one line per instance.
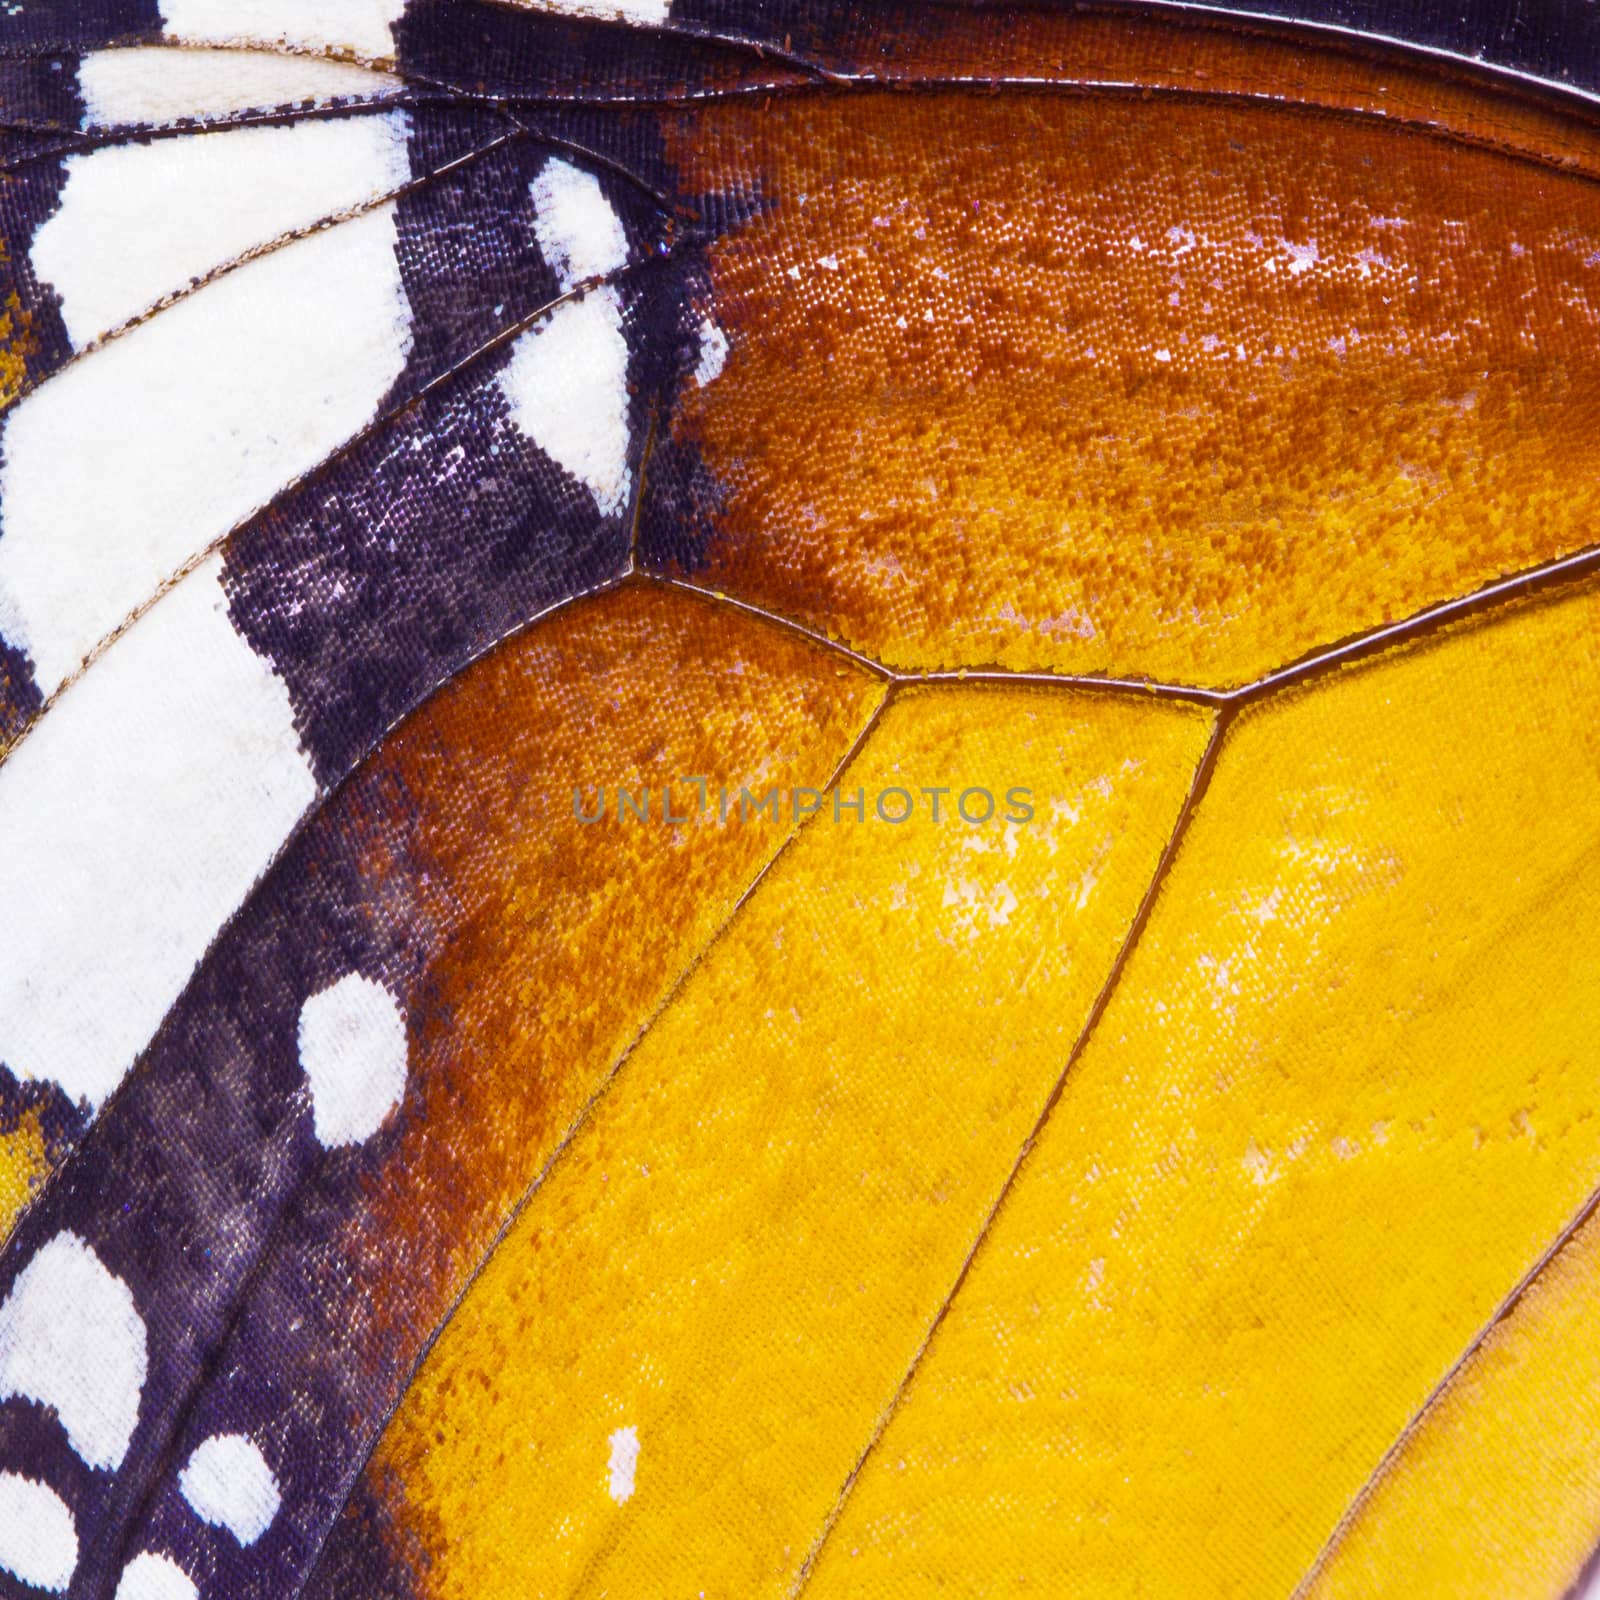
column 1340, row 1102
column 1088, row 383
column 670, row 1364
column 1497, row 1492
column 24, row 1164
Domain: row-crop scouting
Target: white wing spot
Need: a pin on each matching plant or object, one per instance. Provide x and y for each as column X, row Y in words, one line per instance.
column 71, row 1337
column 624, row 1463
column 158, row 86
column 364, row 27
column 181, row 208
column 713, row 353
column 199, row 417
column 38, row 1538
column 137, row 816
column 567, row 379
column 577, row 229
column 230, row 1485
column 352, row 1041
column 567, row 386
column 153, row 1577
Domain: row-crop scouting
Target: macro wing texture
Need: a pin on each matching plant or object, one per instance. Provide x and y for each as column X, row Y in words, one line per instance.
column 796, row 803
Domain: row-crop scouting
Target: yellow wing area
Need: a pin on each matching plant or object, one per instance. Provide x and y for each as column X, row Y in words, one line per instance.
column 666, row 1371
column 1343, row 1098
column 1185, row 1191
column 24, row 1164
column 1497, row 1492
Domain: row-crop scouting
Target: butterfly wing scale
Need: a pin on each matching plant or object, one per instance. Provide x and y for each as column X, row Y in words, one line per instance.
column 566, row 273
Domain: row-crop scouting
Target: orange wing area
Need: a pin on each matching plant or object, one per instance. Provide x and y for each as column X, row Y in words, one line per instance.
column 1100, row 45
column 1175, row 388
column 1341, row 1102
column 1338, row 1106
column 1196, row 55
column 830, row 1295
column 668, row 1367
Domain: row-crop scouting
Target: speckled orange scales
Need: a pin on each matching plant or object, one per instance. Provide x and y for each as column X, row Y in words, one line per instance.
column 1178, row 1180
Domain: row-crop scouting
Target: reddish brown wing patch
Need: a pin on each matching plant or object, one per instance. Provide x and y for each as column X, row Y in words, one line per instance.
column 1157, row 387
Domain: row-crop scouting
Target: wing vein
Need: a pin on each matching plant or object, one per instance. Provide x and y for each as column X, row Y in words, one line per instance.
column 1198, row 785
column 1385, row 1462
column 690, row 967
column 271, row 246
column 370, row 430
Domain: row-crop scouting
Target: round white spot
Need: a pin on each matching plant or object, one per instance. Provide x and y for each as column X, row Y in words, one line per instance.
column 38, row 1538
column 353, row 1051
column 230, row 1485
column 579, row 234
column 624, row 1463
column 153, row 1577
column 71, row 1337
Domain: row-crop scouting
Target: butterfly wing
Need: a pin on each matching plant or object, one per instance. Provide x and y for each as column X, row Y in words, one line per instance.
column 720, row 1257
column 317, row 469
